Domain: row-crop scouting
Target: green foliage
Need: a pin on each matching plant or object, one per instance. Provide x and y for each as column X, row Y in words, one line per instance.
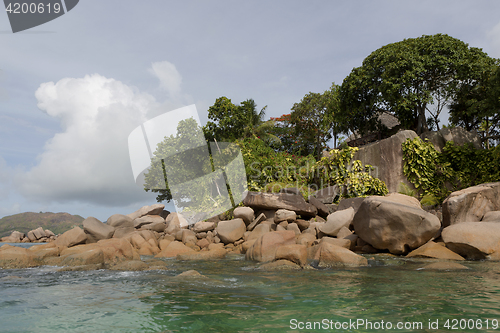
column 436, row 174
column 229, row 122
column 313, row 121
column 477, row 106
column 354, row 177
column 265, row 167
column 406, row 190
column 425, row 169
column 429, row 200
column 409, row 79
column 472, row 166
column 269, row 171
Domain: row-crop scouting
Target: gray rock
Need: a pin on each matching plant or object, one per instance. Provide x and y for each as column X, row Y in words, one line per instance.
column 350, row 202
column 328, row 194
column 294, row 227
column 148, row 219
column 31, row 236
column 155, row 209
column 258, row 200
column 387, row 158
column 491, row 216
column 39, row 233
column 203, row 226
column 284, row 215
column 231, row 231
column 155, row 226
column 336, row 221
column 71, row 237
column 458, row 135
column 390, row 225
column 290, row 190
column 96, row 229
column 245, row 213
column 474, row 240
column 120, row 221
column 471, row 204
column 323, row 210
column 123, row 232
column 258, row 219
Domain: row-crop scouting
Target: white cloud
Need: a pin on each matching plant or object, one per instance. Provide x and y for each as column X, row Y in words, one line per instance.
column 169, row 77
column 88, row 161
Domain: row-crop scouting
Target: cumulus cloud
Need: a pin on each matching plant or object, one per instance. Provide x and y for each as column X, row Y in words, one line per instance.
column 88, row 160
column 170, row 78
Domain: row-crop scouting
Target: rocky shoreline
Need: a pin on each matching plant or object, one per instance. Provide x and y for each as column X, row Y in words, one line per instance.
column 281, row 231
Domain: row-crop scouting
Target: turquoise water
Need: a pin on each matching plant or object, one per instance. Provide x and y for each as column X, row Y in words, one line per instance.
column 237, row 297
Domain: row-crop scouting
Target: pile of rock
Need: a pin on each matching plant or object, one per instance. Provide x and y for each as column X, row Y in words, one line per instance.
column 282, row 230
column 38, row 235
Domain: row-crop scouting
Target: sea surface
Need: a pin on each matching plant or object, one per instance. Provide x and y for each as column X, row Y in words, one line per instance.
column 235, row 296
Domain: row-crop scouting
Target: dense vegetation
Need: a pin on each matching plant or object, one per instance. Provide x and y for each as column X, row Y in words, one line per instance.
column 413, row 80
column 24, row 222
column 435, row 175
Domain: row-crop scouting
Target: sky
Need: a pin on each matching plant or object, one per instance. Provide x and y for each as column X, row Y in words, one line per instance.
column 73, row 89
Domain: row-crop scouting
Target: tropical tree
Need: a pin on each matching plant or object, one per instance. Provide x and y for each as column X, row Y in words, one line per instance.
column 313, row 120
column 230, row 122
column 410, row 79
column 478, row 107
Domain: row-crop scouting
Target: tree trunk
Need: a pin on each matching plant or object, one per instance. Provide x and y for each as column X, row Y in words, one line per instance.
column 422, row 122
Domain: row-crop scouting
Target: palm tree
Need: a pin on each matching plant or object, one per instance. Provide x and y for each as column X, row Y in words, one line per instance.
column 255, row 126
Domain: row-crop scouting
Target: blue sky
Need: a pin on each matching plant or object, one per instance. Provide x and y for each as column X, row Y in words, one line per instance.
column 72, row 90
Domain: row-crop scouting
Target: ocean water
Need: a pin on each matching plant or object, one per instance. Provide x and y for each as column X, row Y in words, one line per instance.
column 237, row 297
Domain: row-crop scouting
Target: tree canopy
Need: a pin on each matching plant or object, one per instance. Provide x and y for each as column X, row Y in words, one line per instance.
column 313, row 121
column 229, row 122
column 410, row 79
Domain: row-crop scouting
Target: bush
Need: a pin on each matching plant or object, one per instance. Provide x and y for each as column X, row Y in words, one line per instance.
column 436, row 174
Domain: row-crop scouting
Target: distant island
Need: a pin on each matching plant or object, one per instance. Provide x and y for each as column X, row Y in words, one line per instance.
column 24, row 222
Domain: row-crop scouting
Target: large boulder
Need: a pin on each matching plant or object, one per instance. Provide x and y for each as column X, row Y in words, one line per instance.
column 120, row 221
column 15, row 237
column 82, row 255
column 264, row 248
column 471, row 204
column 474, row 240
column 39, row 233
column 231, row 231
column 336, row 221
column 72, row 237
column 15, row 257
column 96, row 229
column 387, row 158
column 275, row 201
column 458, row 135
column 148, row 219
column 390, row 225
